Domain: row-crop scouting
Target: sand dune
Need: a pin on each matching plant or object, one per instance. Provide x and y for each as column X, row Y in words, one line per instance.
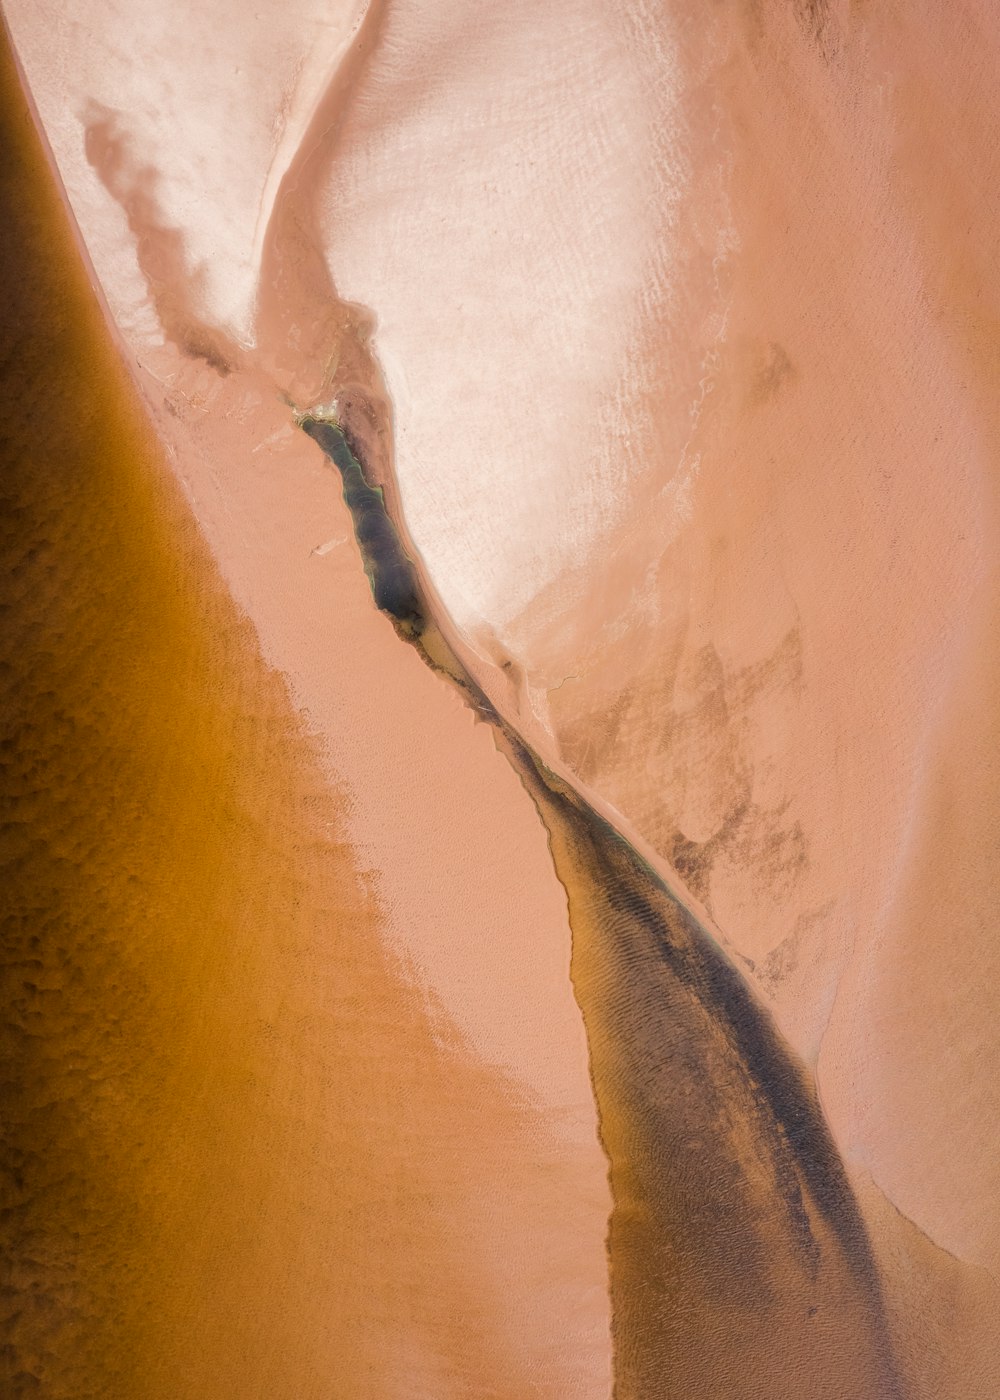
column 668, row 336
column 249, row 1151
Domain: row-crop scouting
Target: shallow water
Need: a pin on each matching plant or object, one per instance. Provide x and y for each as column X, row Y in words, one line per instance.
column 239, row 1159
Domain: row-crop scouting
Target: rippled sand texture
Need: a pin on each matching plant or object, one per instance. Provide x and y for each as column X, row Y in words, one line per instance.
column 738, row 1256
column 667, row 334
column 246, row 1152
column 779, row 665
column 791, row 685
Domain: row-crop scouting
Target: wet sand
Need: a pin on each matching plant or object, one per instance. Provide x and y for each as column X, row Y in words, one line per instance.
column 790, row 687
column 778, row 666
column 738, row 1255
column 247, row 1152
column 744, row 588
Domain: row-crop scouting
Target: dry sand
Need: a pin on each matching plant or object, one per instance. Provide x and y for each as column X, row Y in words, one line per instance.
column 783, row 667
column 687, row 324
column 252, row 1150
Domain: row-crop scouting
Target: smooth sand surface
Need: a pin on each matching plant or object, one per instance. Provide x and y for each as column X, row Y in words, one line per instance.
column 254, row 1151
column 738, row 1256
column 791, row 684
column 688, row 327
column 772, row 665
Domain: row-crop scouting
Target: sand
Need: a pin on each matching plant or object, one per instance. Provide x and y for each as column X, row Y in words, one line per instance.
column 790, row 687
column 686, row 326
column 254, row 1152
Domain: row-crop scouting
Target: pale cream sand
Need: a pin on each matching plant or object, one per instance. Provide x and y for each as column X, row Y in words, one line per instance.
column 783, row 667
column 355, row 1147
column 687, row 325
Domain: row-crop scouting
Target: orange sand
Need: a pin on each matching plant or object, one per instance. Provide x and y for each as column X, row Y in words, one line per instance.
column 783, row 668
column 255, row 1151
column 748, row 577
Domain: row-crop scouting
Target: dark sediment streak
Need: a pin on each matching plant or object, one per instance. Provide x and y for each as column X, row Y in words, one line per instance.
column 390, row 572
column 740, row 1263
column 215, row 1075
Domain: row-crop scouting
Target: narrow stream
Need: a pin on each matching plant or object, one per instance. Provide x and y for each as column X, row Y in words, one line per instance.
column 739, row 1259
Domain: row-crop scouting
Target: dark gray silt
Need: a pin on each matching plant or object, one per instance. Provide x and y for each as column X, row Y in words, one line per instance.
column 732, row 1207
column 390, row 571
